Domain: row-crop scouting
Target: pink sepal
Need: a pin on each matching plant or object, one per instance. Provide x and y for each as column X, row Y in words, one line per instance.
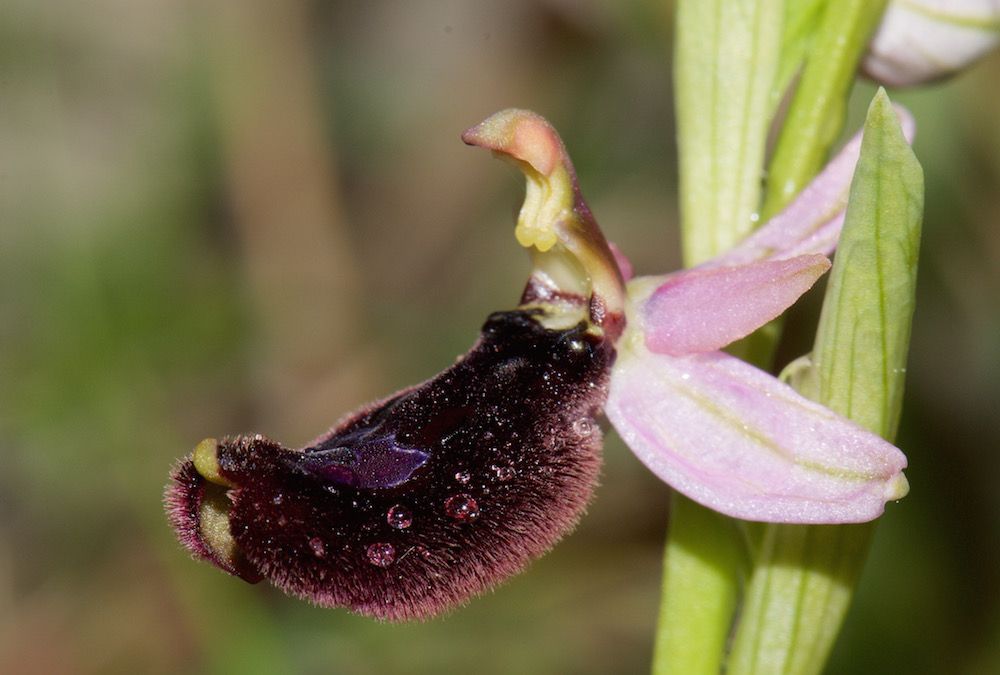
column 738, row 441
column 702, row 310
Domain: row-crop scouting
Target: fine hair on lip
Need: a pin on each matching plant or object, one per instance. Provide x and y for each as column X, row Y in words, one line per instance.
column 421, row 501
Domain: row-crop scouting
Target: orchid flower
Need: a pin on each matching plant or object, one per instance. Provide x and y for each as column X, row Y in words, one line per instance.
column 713, row 427
column 415, row 503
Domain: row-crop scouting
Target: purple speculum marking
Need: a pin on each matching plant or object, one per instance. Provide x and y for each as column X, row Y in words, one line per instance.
column 365, row 459
column 309, row 520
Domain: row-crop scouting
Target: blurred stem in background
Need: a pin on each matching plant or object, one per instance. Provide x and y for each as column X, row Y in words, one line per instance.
column 726, row 59
column 282, row 179
column 823, row 42
column 305, row 288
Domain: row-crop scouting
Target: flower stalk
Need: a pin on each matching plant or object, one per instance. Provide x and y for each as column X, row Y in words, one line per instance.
column 700, row 575
column 726, row 60
column 702, row 566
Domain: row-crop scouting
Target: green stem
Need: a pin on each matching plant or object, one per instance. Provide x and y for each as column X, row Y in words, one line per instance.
column 702, row 563
column 726, row 59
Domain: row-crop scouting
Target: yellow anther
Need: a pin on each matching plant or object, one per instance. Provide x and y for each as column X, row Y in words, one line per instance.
column 531, row 235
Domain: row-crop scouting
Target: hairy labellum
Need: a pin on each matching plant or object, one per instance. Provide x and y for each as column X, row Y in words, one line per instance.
column 420, row 501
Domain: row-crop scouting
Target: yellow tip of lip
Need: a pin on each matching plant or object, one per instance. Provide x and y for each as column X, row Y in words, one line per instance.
column 897, row 488
column 206, row 462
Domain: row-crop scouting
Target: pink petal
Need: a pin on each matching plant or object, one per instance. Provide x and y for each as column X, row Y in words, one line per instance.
column 738, row 441
column 812, row 222
column 702, row 310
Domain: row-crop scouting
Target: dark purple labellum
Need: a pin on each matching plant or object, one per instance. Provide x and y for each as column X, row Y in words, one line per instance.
column 417, row 503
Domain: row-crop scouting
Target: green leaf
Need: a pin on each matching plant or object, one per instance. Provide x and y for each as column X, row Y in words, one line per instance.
column 804, row 576
column 859, row 358
column 725, row 63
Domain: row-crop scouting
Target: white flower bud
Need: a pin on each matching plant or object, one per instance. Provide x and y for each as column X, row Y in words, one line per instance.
column 923, row 40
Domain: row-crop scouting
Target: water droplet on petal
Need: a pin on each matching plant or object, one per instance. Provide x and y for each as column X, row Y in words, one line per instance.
column 399, row 517
column 504, row 472
column 381, row 554
column 318, row 547
column 583, row 427
column 463, row 477
column 462, row 507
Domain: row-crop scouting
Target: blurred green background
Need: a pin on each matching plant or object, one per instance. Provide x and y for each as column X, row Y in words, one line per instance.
column 223, row 217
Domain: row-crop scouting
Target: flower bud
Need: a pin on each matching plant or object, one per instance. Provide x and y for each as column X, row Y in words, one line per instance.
column 924, row 40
